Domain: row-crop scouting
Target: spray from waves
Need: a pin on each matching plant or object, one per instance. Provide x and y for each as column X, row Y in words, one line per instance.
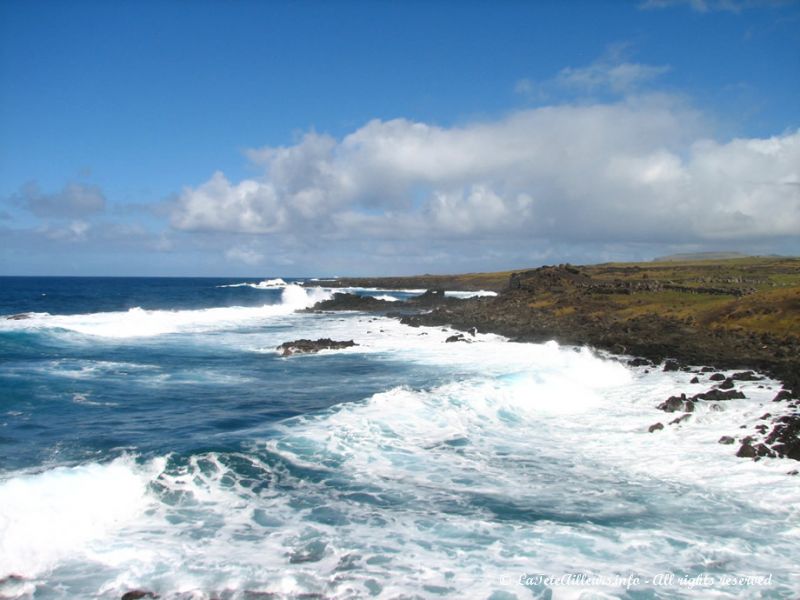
column 46, row 518
column 138, row 322
column 267, row 284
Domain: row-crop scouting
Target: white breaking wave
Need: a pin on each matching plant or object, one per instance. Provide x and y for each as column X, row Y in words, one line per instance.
column 49, row 517
column 267, row 284
column 473, row 294
column 138, row 322
column 532, row 458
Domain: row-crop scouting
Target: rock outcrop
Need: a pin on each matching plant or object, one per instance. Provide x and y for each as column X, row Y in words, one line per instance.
column 312, row 346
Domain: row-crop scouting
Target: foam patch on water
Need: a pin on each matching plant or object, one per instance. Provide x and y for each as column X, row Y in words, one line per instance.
column 138, row 322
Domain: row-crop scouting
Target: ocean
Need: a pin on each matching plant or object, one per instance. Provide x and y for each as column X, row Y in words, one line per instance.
column 151, row 438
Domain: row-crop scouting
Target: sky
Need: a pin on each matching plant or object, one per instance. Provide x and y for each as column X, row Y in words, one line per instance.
column 243, row 138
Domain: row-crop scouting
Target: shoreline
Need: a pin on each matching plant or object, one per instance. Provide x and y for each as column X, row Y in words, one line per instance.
column 584, row 306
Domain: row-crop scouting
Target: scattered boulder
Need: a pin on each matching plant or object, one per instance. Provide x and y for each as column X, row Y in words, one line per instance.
column 745, row 376
column 727, row 384
column 694, row 380
column 677, row 403
column 707, row 370
column 655, row 427
column 312, row 346
column 671, row 365
column 746, row 450
column 719, row 395
column 681, row 419
column 138, row 594
column 459, row 337
column 717, row 377
column 726, row 439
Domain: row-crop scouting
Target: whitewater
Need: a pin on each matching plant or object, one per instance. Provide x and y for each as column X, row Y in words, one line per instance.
column 151, row 438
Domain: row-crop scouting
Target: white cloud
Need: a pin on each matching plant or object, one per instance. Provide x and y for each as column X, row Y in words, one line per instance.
column 619, row 77
column 641, row 170
column 247, row 256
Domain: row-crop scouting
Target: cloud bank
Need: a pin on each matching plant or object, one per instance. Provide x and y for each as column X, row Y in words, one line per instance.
column 73, row 201
column 639, row 170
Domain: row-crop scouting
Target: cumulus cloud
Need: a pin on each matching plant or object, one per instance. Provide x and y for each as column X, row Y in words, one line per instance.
column 75, row 200
column 641, row 170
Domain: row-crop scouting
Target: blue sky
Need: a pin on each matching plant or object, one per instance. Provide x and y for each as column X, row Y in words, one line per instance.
column 300, row 138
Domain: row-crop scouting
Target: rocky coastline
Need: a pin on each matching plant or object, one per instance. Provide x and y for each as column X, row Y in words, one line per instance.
column 705, row 322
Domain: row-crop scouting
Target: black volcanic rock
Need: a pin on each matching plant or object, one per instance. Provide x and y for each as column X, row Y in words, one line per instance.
column 782, row 395
column 640, row 362
column 717, row 377
column 727, row 384
column 342, row 301
column 677, row 403
column 655, row 427
column 745, row 376
column 457, row 338
column 19, row 317
column 719, row 395
column 312, row 346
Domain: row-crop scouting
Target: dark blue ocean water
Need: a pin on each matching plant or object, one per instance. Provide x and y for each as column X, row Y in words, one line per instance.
column 152, row 438
column 79, row 397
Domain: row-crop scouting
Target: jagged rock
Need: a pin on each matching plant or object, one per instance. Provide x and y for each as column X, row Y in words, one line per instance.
column 717, row 377
column 312, row 346
column 694, row 380
column 719, row 395
column 745, row 376
column 671, row 365
column 655, row 427
column 726, row 439
column 782, row 395
column 727, row 384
